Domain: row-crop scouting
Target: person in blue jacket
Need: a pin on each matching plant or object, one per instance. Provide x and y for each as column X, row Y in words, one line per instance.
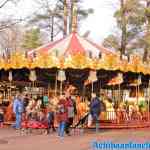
column 18, row 109
column 95, row 109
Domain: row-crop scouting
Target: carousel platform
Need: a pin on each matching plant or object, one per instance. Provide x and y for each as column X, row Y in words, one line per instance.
column 109, row 125
column 132, row 125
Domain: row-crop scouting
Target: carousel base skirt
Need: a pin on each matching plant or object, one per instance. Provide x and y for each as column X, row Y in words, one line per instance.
column 131, row 125
column 110, row 125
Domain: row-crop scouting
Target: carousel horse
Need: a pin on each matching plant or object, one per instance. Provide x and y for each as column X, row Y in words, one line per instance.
column 70, row 89
column 9, row 115
column 110, row 111
column 81, row 109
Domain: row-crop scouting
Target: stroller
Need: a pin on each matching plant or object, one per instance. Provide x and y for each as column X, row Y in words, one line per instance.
column 78, row 128
column 82, row 121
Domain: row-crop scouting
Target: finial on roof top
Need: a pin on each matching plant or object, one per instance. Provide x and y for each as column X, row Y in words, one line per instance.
column 74, row 19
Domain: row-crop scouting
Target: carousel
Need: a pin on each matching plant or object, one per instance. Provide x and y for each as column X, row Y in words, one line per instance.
column 76, row 63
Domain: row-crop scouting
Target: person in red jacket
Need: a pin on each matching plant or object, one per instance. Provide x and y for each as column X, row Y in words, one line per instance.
column 71, row 111
column 61, row 116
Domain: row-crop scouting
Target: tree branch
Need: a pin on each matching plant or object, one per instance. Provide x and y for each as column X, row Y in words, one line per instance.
column 9, row 24
column 4, row 3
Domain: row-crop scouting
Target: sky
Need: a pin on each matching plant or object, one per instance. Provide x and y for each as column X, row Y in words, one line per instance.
column 100, row 24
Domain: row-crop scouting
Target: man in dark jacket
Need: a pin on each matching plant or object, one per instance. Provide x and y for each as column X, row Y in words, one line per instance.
column 95, row 109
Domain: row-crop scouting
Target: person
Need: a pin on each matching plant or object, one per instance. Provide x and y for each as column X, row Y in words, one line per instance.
column 50, row 118
column 61, row 116
column 30, row 109
column 18, row 109
column 71, row 111
column 95, row 109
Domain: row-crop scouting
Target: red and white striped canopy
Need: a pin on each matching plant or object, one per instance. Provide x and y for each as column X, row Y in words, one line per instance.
column 71, row 45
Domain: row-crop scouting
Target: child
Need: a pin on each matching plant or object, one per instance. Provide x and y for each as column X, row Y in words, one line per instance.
column 61, row 116
column 1, row 118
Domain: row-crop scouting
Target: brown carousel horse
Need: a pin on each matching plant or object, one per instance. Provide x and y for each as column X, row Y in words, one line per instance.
column 9, row 115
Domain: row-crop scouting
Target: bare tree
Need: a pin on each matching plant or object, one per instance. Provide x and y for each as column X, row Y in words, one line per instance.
column 7, row 23
column 11, row 38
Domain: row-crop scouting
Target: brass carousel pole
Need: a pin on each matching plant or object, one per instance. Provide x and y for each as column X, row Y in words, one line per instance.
column 136, row 93
column 32, row 78
column 149, row 100
column 92, row 87
column 61, row 84
column 10, row 80
column 119, row 92
column 61, row 78
column 120, row 78
column 49, row 88
column 138, row 88
column 92, row 77
column 56, row 85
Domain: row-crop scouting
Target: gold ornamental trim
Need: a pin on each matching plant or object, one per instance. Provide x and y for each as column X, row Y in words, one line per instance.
column 18, row 60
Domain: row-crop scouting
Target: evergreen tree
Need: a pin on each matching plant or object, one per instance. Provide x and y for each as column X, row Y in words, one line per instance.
column 52, row 18
column 130, row 19
column 31, row 39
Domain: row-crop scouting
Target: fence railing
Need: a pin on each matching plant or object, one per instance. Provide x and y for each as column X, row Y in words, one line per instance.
column 125, row 117
column 117, row 117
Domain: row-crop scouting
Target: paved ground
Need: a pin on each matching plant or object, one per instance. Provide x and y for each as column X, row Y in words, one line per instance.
column 12, row 140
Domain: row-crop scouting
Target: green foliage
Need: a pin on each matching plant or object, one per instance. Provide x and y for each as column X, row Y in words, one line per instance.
column 133, row 23
column 112, row 42
column 130, row 18
column 31, row 39
column 57, row 25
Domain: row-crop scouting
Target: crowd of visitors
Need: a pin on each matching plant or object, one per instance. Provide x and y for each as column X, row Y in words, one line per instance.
column 66, row 111
column 61, row 111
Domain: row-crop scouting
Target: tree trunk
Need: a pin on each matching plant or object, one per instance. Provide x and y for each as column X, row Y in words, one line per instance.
column 145, row 55
column 123, row 28
column 71, row 17
column 147, row 46
column 52, row 28
column 65, row 18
